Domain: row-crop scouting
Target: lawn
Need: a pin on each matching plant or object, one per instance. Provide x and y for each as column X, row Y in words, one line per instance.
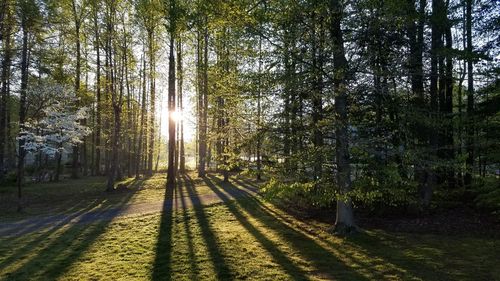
column 85, row 194
column 244, row 239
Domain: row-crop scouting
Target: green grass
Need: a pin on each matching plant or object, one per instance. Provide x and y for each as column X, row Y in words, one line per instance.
column 70, row 196
column 245, row 239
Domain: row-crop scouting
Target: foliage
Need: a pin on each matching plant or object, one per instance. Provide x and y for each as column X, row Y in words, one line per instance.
column 60, row 125
column 487, row 194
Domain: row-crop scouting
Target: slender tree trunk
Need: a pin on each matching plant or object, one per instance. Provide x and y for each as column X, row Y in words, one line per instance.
column 171, row 98
column 450, row 152
column 76, row 163
column 344, row 222
column 203, row 102
column 416, row 43
column 180, row 76
column 317, row 100
column 6, row 30
column 470, row 98
column 58, row 166
column 143, row 116
column 97, row 165
column 152, row 72
column 436, row 43
column 259, row 113
column 130, row 134
column 22, row 109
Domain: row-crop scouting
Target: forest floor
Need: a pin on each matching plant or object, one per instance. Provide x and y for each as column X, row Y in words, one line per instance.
column 234, row 237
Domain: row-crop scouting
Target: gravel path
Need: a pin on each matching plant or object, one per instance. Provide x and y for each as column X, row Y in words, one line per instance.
column 186, row 200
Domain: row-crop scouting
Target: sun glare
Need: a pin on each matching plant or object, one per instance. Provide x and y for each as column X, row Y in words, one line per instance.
column 176, row 115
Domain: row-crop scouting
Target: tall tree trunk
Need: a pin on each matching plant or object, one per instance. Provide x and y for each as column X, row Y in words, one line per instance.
column 97, row 165
column 317, row 100
column 259, row 113
column 180, row 76
column 203, row 102
column 6, row 30
column 143, row 116
column 436, row 44
column 152, row 98
column 130, row 131
column 22, row 109
column 344, row 222
column 76, row 161
column 416, row 45
column 450, row 152
column 171, row 98
column 470, row 98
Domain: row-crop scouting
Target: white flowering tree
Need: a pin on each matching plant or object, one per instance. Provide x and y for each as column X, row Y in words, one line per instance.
column 58, row 128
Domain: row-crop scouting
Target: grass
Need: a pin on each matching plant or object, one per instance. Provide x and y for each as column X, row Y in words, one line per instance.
column 244, row 239
column 70, row 196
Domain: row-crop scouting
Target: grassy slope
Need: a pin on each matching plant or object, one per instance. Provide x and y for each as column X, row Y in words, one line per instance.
column 246, row 239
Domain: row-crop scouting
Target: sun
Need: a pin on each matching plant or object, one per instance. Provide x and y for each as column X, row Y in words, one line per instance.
column 177, row 116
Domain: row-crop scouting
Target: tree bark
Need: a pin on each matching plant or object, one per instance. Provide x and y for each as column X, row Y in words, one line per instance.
column 77, row 21
column 6, row 30
column 470, row 98
column 171, row 98
column 152, row 98
column 344, row 223
column 97, row 165
column 203, row 98
column 22, row 108
column 182, row 157
column 143, row 116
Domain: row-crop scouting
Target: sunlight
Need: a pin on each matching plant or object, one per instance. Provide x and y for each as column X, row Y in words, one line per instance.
column 177, row 116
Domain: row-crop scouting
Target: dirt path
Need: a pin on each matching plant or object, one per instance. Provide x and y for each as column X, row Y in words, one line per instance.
column 187, row 201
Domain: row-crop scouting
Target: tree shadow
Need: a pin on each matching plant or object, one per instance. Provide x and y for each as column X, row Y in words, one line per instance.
column 162, row 268
column 189, row 234
column 422, row 259
column 59, row 252
column 223, row 272
column 406, row 259
column 324, row 262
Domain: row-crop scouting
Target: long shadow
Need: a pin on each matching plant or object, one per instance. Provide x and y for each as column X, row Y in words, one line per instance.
column 189, row 234
column 320, row 258
column 371, row 246
column 222, row 270
column 279, row 257
column 56, row 256
column 27, row 247
column 162, row 268
column 394, row 249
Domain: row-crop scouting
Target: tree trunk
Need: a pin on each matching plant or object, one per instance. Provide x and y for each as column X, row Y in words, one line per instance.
column 203, row 99
column 76, row 163
column 470, row 98
column 143, row 116
column 259, row 113
column 152, row 98
column 344, row 223
column 6, row 30
column 97, row 165
column 171, row 100
column 22, row 109
column 182, row 157
column 58, row 166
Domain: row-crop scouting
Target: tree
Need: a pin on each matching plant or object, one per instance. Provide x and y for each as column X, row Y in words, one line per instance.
column 172, row 30
column 60, row 126
column 344, row 222
column 6, row 32
column 30, row 20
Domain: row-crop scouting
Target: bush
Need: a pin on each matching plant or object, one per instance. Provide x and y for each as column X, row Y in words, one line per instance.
column 487, row 194
column 301, row 194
